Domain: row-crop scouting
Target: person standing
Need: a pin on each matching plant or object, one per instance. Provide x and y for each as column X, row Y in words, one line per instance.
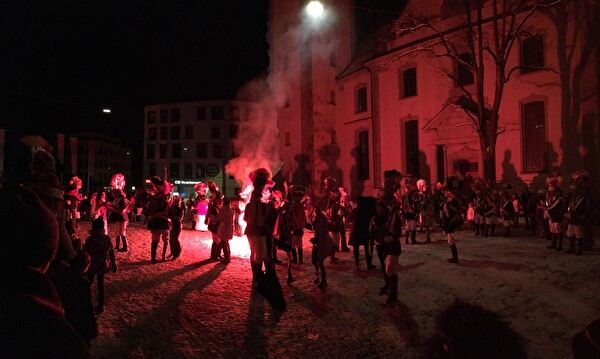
column 158, row 220
column 451, row 221
column 556, row 209
column 175, row 214
column 334, row 214
column 118, row 215
column 577, row 215
column 226, row 229
column 102, row 255
column 323, row 246
column 410, row 208
column 214, row 207
column 359, row 232
column 525, row 197
column 255, row 216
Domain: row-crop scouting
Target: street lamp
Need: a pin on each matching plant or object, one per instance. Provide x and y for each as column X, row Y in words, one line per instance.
column 314, row 9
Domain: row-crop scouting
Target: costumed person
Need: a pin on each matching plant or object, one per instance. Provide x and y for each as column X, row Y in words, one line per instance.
column 507, row 210
column 282, row 231
column 226, row 229
column 451, row 221
column 308, row 211
column 410, row 208
column 100, row 209
column 99, row 246
column 200, row 208
column 334, row 214
column 176, row 214
column 388, row 218
column 255, row 215
column 479, row 205
column 555, row 206
column 158, row 220
column 323, row 246
column 297, row 217
column 72, row 200
column 577, row 212
column 214, row 207
column 427, row 208
column 237, row 212
column 118, row 214
column 275, row 202
column 359, row 232
column 491, row 212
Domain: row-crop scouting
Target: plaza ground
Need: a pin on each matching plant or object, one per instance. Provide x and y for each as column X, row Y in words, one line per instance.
column 196, row 308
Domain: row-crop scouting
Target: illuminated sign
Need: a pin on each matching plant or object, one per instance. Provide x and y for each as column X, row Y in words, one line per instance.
column 185, row 182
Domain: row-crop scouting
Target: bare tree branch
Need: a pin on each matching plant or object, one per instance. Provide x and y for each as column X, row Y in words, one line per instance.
column 515, row 68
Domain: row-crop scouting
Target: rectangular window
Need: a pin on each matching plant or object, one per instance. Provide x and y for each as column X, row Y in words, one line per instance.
column 162, row 151
column 176, row 150
column 217, row 113
column 217, row 150
column 200, row 170
column 174, row 170
column 151, row 169
column 175, row 115
column 200, row 113
column 187, row 170
column 361, row 99
column 215, row 132
column 363, row 155
column 151, row 117
column 201, row 150
column 464, row 76
column 152, row 132
column 532, row 54
column 164, row 131
column 175, row 133
column 409, row 83
column 534, row 136
column 164, row 116
column 189, row 132
column 411, row 143
column 150, row 152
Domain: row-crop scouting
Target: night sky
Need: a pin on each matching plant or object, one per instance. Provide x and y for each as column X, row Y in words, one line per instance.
column 62, row 61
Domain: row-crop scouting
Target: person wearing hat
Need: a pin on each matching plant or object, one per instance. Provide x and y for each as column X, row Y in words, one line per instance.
column 410, row 207
column 577, row 215
column 555, row 206
column 451, row 221
column 334, row 214
column 32, row 317
column 159, row 223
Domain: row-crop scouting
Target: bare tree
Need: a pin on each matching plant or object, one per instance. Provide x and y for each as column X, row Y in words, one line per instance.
column 490, row 31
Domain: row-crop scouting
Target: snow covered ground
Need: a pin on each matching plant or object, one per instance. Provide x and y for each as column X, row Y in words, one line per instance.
column 196, row 308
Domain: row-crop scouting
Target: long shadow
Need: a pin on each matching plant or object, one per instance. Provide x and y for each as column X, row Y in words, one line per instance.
column 136, row 335
column 255, row 340
column 409, row 267
column 478, row 264
column 405, row 323
column 130, row 285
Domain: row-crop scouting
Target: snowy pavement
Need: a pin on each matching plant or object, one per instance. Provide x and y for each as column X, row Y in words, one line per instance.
column 196, row 308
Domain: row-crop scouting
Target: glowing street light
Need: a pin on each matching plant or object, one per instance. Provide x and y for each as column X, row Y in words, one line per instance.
column 106, row 110
column 314, row 9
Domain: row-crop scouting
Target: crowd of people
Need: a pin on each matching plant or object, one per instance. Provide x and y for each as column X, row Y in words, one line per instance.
column 51, row 275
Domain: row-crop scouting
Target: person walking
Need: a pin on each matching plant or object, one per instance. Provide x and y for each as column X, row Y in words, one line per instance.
column 158, row 220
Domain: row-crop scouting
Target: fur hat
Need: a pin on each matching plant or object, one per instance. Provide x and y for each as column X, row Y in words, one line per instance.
column 157, row 181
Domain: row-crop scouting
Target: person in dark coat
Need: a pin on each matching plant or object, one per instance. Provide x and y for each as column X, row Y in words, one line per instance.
column 359, row 232
column 33, row 320
column 76, row 296
column 102, row 254
column 158, row 220
column 176, row 213
column 451, row 221
column 323, row 246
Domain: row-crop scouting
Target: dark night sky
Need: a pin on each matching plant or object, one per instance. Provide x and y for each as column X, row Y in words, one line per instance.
column 62, row 61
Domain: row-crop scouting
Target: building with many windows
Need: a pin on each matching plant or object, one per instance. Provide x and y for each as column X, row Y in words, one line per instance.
column 99, row 157
column 353, row 109
column 191, row 142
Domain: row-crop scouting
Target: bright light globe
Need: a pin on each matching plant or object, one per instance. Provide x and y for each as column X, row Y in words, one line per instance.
column 314, row 8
